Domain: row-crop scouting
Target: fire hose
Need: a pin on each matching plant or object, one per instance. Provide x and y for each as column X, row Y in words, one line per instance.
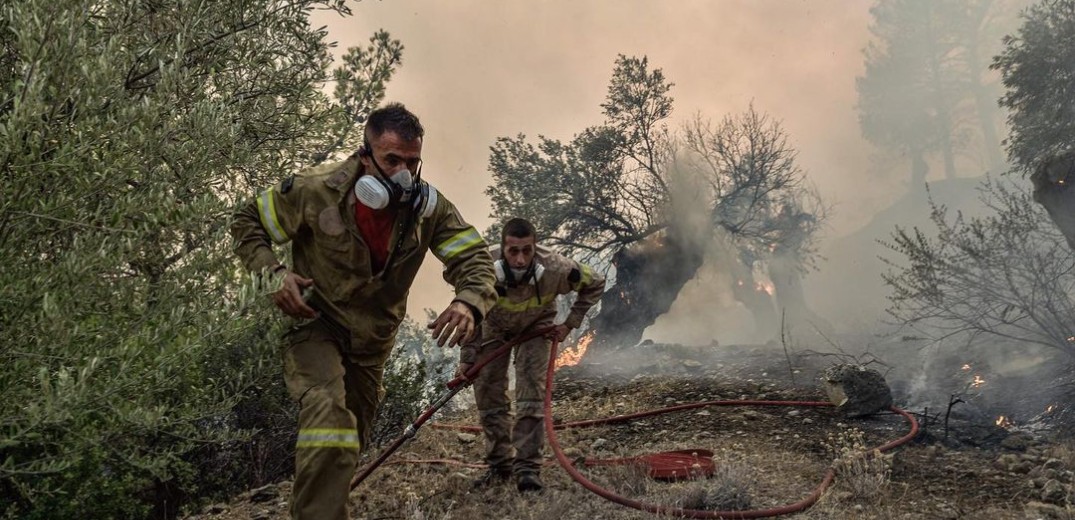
column 457, row 384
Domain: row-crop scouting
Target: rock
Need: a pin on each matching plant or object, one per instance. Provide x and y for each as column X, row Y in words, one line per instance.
column 599, row 443
column 1040, row 510
column 214, row 509
column 1053, row 464
column 1053, row 492
column 466, row 438
column 264, row 493
column 1006, row 462
column 1017, row 441
column 856, row 390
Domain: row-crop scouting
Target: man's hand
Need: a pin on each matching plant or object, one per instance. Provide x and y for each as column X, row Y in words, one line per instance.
column 558, row 333
column 462, row 370
column 456, row 318
column 289, row 297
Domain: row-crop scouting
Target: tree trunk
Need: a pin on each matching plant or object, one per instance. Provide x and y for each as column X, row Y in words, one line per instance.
column 649, row 276
column 919, row 170
column 1053, row 189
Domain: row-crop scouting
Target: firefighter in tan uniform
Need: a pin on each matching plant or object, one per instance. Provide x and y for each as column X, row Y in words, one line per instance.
column 358, row 232
column 529, row 278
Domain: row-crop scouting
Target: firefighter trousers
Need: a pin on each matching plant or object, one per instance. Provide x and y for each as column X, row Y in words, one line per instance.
column 516, row 446
column 338, row 401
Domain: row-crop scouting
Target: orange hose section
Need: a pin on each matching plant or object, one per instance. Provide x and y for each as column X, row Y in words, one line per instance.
column 801, row 505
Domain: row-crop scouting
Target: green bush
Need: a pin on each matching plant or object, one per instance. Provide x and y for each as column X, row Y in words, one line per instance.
column 138, row 364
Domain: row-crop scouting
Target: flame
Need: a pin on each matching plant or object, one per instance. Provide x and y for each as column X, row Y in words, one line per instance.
column 1050, row 408
column 978, row 381
column 1071, row 339
column 966, row 367
column 571, row 356
column 1004, row 422
column 765, row 287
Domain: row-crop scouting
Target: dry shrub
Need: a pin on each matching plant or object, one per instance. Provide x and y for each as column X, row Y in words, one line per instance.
column 728, row 489
column 860, row 472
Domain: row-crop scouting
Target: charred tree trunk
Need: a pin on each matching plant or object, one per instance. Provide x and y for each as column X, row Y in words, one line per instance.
column 649, row 276
column 791, row 299
column 1053, row 189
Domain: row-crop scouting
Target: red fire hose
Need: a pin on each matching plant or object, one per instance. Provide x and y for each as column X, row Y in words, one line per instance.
column 454, row 386
column 459, row 383
column 826, row 480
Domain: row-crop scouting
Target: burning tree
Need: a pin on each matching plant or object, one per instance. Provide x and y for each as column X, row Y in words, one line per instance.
column 625, row 193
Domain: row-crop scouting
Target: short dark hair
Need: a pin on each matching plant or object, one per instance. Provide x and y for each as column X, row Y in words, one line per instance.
column 394, row 117
column 518, row 228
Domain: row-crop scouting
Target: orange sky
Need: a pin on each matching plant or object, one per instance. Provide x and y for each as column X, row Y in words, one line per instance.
column 476, row 70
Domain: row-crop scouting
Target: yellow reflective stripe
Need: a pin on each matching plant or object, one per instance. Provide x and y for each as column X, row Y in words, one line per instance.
column 530, row 303
column 587, row 277
column 327, row 438
column 267, row 213
column 462, row 241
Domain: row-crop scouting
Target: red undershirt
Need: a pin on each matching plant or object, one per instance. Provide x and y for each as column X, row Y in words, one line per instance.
column 375, row 226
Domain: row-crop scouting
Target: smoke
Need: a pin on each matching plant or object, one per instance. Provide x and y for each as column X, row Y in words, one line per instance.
column 474, row 71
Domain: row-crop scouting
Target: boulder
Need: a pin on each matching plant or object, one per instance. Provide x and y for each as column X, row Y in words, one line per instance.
column 856, row 390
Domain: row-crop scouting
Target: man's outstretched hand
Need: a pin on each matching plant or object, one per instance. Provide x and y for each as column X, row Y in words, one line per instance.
column 456, row 322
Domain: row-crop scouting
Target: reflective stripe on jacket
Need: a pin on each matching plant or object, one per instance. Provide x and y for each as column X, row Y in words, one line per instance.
column 314, row 212
column 531, row 305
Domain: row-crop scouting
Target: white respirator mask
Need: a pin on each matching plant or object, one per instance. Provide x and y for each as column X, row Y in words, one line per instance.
column 514, row 277
column 377, row 193
column 403, row 187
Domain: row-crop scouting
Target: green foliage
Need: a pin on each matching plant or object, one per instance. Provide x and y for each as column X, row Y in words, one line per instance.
column 416, row 373
column 1007, row 275
column 607, row 187
column 1036, row 65
column 137, row 366
column 620, row 182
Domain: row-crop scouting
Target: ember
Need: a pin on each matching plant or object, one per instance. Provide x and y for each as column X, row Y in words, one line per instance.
column 1004, row 422
column 978, row 381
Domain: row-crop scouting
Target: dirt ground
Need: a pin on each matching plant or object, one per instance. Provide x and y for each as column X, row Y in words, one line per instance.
column 766, row 456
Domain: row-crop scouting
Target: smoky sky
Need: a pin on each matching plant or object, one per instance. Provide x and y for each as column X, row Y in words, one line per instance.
column 477, row 70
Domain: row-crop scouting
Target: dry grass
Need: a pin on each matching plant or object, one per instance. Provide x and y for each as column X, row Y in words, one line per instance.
column 860, row 472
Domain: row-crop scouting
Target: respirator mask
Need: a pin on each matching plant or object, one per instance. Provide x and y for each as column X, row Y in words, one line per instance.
column 514, row 277
column 377, row 190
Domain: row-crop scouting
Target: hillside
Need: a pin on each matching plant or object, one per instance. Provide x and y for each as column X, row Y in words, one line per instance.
column 847, row 289
column 765, row 456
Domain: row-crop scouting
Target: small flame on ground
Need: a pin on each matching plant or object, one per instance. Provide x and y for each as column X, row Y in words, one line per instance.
column 966, row 367
column 1071, row 339
column 1050, row 408
column 765, row 287
column 571, row 356
column 978, row 381
column 1004, row 422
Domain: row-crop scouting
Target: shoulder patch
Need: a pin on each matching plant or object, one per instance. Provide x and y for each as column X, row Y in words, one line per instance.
column 574, row 276
column 287, row 184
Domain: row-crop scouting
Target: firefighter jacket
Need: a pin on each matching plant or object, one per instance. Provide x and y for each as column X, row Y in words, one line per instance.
column 314, row 211
column 525, row 306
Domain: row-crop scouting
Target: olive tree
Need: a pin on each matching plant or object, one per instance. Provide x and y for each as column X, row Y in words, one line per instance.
column 137, row 371
column 627, row 193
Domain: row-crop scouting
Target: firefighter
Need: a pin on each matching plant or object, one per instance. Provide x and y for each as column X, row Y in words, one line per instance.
column 358, row 231
column 528, row 279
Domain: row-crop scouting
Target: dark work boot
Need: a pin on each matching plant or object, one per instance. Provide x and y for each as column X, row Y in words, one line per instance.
column 528, row 482
column 492, row 477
